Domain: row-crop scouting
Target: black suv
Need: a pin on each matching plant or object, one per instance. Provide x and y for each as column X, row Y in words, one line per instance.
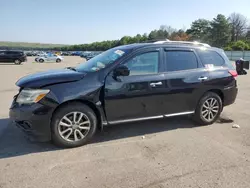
column 125, row 84
column 16, row 57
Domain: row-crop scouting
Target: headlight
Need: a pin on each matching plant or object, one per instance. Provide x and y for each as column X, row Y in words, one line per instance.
column 28, row 96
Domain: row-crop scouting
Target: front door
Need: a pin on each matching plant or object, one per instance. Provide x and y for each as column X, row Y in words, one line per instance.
column 139, row 94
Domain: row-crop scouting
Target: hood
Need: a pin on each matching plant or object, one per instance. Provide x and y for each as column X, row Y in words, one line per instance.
column 41, row 79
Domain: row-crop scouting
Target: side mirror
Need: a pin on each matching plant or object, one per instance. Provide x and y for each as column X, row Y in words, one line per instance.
column 121, row 70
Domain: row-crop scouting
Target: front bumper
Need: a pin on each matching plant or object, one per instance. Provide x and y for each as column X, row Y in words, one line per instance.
column 33, row 119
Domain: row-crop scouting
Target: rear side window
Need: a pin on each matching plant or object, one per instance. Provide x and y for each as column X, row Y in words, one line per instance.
column 210, row 57
column 180, row 60
column 14, row 53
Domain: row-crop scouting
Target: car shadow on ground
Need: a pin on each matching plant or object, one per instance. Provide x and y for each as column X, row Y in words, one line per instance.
column 14, row 143
column 142, row 128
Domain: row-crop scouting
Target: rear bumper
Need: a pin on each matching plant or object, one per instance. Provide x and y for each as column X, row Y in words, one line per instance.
column 230, row 95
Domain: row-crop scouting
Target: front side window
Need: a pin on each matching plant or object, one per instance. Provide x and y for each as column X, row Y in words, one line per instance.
column 181, row 60
column 210, row 57
column 102, row 60
column 146, row 63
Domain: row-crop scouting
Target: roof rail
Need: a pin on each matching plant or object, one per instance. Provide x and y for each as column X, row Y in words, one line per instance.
column 183, row 42
column 155, row 40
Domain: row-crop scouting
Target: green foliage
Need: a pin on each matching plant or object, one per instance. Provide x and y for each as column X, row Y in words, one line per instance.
column 238, row 45
column 228, row 48
column 220, row 31
column 200, row 30
column 28, row 46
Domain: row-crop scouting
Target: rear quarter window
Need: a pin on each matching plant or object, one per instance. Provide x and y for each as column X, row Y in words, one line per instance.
column 211, row 57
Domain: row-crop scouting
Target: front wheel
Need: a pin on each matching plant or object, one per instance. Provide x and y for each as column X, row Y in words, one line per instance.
column 41, row 60
column 73, row 125
column 209, row 109
column 17, row 62
column 58, row 60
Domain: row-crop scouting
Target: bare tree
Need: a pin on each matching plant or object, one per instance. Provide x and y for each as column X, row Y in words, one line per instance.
column 167, row 28
column 238, row 24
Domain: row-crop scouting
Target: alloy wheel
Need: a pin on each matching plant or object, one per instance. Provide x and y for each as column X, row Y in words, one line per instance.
column 17, row 61
column 74, row 126
column 210, row 109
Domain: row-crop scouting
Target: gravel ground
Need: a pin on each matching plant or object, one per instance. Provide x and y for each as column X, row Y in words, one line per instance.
column 153, row 154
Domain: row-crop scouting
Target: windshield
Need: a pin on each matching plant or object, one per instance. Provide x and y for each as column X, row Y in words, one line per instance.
column 101, row 61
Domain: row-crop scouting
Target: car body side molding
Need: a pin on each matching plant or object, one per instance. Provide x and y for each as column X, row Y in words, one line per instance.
column 147, row 118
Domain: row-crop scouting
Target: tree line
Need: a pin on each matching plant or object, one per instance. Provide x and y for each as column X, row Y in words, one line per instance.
column 231, row 33
column 28, row 46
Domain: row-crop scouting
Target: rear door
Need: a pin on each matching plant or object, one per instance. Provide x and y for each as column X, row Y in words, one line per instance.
column 186, row 81
column 139, row 94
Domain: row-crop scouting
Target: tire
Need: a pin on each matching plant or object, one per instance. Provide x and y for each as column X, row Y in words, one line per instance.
column 59, row 138
column 201, row 111
column 58, row 60
column 41, row 60
column 17, row 62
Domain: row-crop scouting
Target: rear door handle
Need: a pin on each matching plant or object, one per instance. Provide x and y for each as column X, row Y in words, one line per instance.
column 154, row 84
column 202, row 78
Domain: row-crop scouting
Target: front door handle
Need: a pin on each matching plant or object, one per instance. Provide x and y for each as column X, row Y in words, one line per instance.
column 154, row 84
column 202, row 78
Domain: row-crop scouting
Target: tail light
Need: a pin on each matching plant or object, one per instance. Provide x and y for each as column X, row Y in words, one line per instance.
column 233, row 73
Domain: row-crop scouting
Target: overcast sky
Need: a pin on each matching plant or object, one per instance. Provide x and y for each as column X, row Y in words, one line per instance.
column 85, row 21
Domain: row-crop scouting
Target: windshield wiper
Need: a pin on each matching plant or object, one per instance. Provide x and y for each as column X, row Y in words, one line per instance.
column 71, row 68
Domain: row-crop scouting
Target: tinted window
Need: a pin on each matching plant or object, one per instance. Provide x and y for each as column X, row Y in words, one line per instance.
column 14, row 53
column 180, row 60
column 146, row 63
column 211, row 57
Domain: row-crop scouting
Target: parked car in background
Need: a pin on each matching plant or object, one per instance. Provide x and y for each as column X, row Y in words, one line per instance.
column 125, row 84
column 89, row 56
column 84, row 54
column 41, row 54
column 29, row 53
column 65, row 53
column 49, row 58
column 11, row 56
column 75, row 53
column 34, row 53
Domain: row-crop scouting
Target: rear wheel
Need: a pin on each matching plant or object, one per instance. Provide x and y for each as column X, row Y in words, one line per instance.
column 208, row 109
column 58, row 60
column 17, row 62
column 73, row 125
column 41, row 60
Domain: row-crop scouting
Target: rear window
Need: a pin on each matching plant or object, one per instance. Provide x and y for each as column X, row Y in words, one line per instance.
column 229, row 63
column 211, row 57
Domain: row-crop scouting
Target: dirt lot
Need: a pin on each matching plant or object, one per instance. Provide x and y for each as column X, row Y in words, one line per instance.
column 152, row 154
